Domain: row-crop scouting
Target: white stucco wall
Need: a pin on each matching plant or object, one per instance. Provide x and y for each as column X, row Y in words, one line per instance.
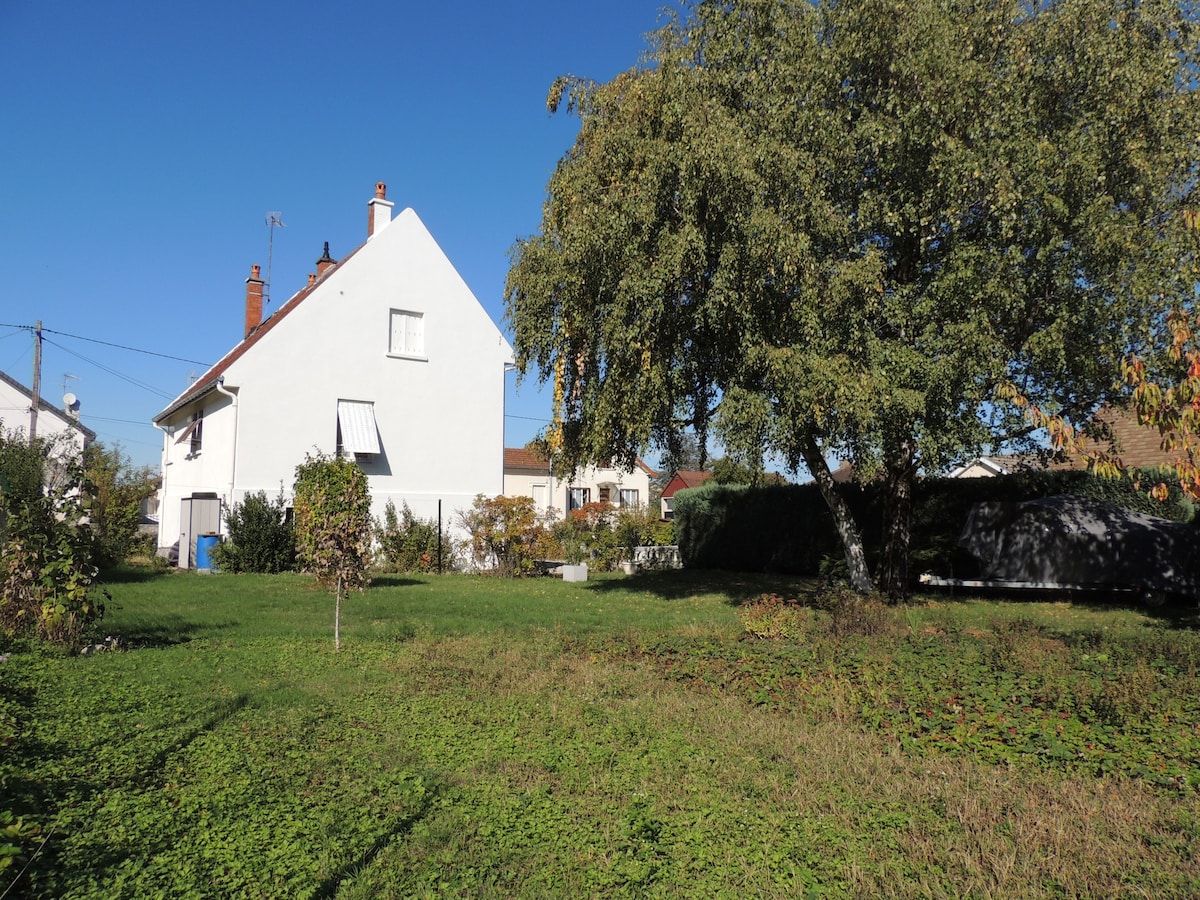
column 440, row 418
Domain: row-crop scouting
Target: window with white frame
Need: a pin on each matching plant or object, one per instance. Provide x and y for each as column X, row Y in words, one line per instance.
column 629, row 497
column 578, row 498
column 407, row 334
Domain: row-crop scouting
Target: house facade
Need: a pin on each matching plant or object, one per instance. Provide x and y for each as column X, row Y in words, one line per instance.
column 385, row 356
column 681, row 480
column 61, row 426
column 527, row 474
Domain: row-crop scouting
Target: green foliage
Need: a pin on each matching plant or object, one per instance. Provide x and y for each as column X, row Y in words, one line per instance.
column 115, row 490
column 261, row 537
column 22, row 466
column 410, row 544
column 333, row 526
column 587, row 535
column 641, row 527
column 506, row 535
column 772, row 617
column 463, row 748
column 15, row 833
column 863, row 228
column 46, row 571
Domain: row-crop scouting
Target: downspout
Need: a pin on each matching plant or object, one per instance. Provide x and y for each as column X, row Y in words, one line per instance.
column 233, row 461
column 162, row 488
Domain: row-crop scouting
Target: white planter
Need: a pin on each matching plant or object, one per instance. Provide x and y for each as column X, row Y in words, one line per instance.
column 575, row 573
column 628, row 567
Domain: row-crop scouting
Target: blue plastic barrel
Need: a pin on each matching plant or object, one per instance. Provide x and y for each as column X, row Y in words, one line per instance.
column 204, row 548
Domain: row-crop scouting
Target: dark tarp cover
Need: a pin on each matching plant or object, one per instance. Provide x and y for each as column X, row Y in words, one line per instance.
column 1082, row 541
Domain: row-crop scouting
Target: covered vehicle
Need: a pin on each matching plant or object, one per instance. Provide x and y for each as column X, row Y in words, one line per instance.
column 1079, row 542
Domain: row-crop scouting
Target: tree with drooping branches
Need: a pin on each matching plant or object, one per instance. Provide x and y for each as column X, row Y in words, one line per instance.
column 866, row 229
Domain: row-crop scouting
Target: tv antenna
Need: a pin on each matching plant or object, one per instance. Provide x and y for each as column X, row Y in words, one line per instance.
column 67, row 378
column 274, row 220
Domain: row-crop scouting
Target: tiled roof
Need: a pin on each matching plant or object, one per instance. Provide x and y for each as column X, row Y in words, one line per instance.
column 685, row 478
column 524, row 458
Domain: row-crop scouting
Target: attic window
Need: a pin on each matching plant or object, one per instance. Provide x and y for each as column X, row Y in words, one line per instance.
column 407, row 334
column 357, row 432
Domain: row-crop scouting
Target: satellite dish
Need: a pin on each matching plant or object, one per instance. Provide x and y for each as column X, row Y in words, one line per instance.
column 70, row 401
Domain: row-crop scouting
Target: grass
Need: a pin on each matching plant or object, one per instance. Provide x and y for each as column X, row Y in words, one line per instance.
column 627, row 737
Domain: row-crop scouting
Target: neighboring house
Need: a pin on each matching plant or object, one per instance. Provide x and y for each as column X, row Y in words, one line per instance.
column 1135, row 446
column 679, row 481
column 60, row 426
column 385, row 357
column 527, row 474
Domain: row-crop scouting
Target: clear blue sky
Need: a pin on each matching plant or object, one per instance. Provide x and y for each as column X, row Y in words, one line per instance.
column 144, row 143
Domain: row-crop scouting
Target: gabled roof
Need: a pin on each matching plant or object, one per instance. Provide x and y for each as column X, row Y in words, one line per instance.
column 209, row 380
column 43, row 406
column 525, row 458
column 686, row 478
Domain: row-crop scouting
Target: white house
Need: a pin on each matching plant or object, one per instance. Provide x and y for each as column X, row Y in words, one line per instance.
column 385, row 356
column 61, row 427
column 527, row 474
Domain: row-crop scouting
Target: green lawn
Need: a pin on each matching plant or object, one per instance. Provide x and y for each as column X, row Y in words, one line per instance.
column 626, row 737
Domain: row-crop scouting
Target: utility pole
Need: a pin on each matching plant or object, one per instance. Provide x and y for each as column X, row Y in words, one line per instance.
column 37, row 380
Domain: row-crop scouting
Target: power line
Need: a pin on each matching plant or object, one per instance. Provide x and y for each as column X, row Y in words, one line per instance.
column 112, row 371
column 194, row 362
column 79, row 337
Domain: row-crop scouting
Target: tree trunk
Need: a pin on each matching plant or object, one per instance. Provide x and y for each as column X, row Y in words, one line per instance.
column 897, row 526
column 843, row 518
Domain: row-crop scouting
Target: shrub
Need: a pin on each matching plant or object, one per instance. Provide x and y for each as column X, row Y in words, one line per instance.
column 261, row 538
column 506, row 535
column 46, row 571
column 587, row 536
column 638, row 527
column 852, row 613
column 410, row 544
column 772, row 616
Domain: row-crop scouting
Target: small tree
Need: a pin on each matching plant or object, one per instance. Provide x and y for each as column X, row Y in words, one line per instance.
column 333, row 527
column 115, row 490
column 261, row 538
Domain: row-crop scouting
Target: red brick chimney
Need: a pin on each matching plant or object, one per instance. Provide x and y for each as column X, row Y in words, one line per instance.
column 326, row 262
column 379, row 210
column 254, row 300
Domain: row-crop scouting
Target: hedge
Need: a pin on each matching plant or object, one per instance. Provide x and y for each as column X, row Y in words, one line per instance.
column 788, row 529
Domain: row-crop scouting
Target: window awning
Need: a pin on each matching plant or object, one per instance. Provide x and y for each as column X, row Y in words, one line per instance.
column 187, row 432
column 357, row 421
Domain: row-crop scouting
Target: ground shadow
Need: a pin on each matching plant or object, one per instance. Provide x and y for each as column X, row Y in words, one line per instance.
column 133, row 575
column 166, row 630
column 394, row 581
column 1174, row 612
column 328, row 888
column 684, row 584
column 42, row 796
